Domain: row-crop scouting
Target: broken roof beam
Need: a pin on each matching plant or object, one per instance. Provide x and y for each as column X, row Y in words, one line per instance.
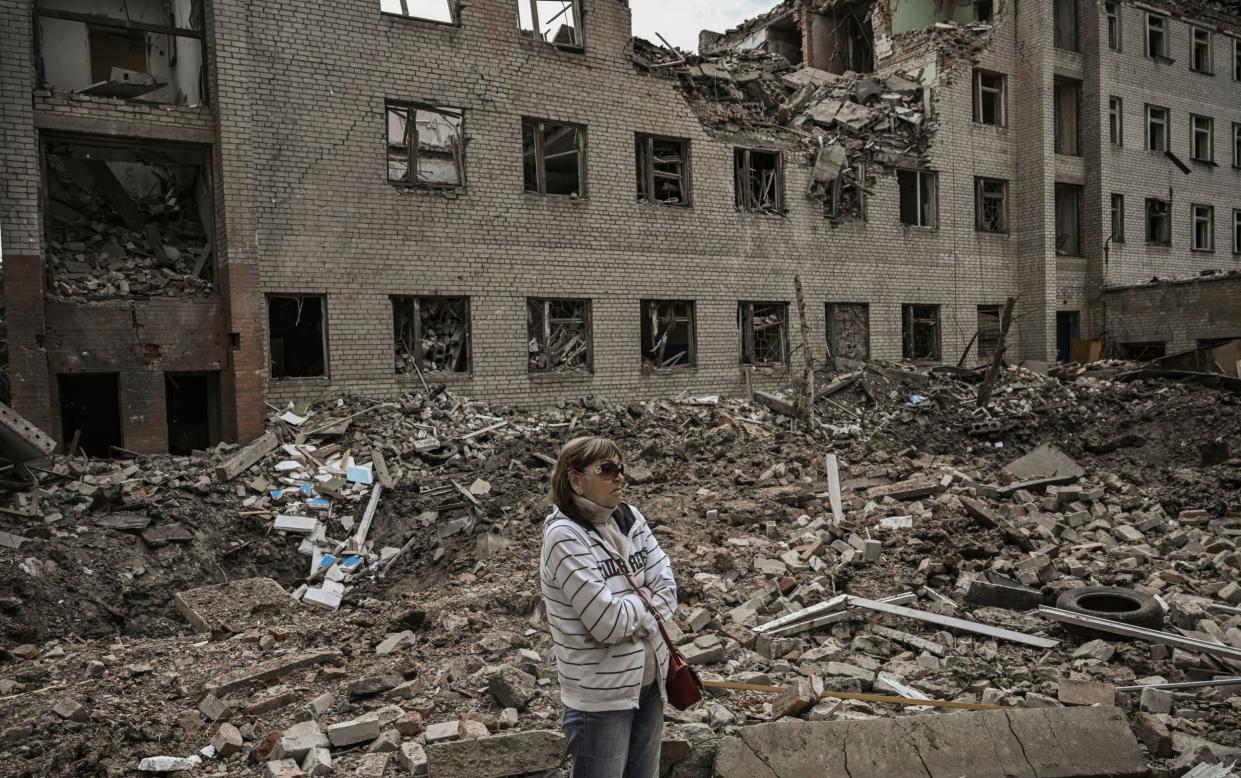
column 951, row 622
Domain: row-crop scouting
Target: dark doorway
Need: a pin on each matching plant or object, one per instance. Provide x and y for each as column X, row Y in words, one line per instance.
column 1068, row 329
column 296, row 326
column 192, row 402
column 90, row 411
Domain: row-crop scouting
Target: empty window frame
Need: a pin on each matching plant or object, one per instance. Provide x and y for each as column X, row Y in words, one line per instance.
column 426, row 146
column 990, row 205
column 296, row 336
column 848, row 330
column 553, row 157
column 758, row 180
column 1143, row 352
column 1202, row 221
column 1157, row 126
column 988, row 330
column 1201, row 54
column 1236, row 144
column 431, row 334
column 1065, row 12
column 663, row 169
column 1156, row 36
column 1236, row 59
column 984, row 10
column 920, row 332
column 1118, row 218
column 918, row 197
column 1068, row 220
column 1202, row 138
column 558, row 22
column 1158, row 222
column 1236, row 231
column 764, row 330
column 1111, row 10
column 1116, row 120
column 668, row 334
column 558, row 336
column 989, row 98
column 443, row 11
column 1067, row 111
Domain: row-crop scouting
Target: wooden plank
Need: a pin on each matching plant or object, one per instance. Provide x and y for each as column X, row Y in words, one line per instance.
column 243, row 460
column 381, row 469
column 833, row 487
column 359, row 538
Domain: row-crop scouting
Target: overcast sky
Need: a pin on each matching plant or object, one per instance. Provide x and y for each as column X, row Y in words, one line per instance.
column 680, row 20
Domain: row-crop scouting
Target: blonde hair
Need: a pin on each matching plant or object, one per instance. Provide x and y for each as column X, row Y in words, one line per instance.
column 578, row 454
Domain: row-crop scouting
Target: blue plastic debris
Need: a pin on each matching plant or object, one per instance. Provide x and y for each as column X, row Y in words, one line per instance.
column 359, row 474
column 350, row 562
column 916, row 400
column 276, row 494
column 327, row 561
column 306, row 489
column 319, row 503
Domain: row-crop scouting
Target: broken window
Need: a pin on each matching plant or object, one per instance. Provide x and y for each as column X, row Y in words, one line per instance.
column 1200, row 55
column 1143, row 352
column 984, row 10
column 1065, row 12
column 764, row 329
column 1202, row 143
column 426, row 146
column 1236, row 231
column 1236, row 144
column 126, row 219
column 920, row 332
column 1158, row 222
column 758, row 180
column 1068, row 220
column 848, row 330
column 1156, row 36
column 917, row 189
column 988, row 330
column 989, row 98
column 1236, row 59
column 431, row 334
column 192, row 408
column 90, row 412
column 1115, row 120
column 148, row 53
column 1067, row 105
column 990, row 205
column 553, row 162
column 842, row 36
column 1156, row 128
column 667, row 334
column 1118, row 218
column 663, row 170
column 427, row 10
column 1203, row 218
column 558, row 22
column 559, row 336
column 296, row 332
column 1112, row 11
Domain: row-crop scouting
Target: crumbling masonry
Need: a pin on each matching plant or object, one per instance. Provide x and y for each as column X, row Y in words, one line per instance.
column 218, row 203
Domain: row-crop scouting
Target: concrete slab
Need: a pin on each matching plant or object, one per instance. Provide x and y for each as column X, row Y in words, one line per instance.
column 1033, row 743
column 21, row 441
column 233, row 606
column 1046, row 461
column 496, row 756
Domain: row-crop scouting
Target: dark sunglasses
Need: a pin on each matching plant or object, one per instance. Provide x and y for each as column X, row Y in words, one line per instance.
column 608, row 470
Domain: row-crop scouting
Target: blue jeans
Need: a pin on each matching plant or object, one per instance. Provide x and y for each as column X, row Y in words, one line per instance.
column 617, row 743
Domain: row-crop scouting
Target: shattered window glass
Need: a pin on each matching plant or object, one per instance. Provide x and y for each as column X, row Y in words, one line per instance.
column 1068, row 220
column 1204, row 228
column 431, row 334
column 1200, row 57
column 667, row 334
column 662, row 167
column 991, row 203
column 1118, row 218
column 552, row 158
column 1115, row 119
column 1156, row 36
column 430, row 10
column 426, row 146
column 759, row 185
column 1203, row 146
column 558, row 333
column 1065, row 12
column 552, row 21
column 920, row 332
column 1112, row 10
column 1067, row 104
column 764, row 333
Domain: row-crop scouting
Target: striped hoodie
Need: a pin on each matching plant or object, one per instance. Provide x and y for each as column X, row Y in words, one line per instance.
column 596, row 619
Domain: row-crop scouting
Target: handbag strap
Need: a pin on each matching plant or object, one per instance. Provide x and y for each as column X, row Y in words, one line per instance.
column 658, row 619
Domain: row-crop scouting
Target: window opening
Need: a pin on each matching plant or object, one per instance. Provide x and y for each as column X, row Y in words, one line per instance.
column 667, row 334
column 759, row 180
column 559, row 336
column 1158, row 222
column 917, row 192
column 296, row 334
column 553, row 160
column 431, row 334
column 764, row 333
column 426, row 146
column 90, row 412
column 557, row 22
column 991, row 204
column 663, row 170
column 920, row 332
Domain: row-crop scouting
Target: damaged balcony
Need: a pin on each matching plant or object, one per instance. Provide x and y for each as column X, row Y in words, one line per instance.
column 127, row 220
column 149, row 52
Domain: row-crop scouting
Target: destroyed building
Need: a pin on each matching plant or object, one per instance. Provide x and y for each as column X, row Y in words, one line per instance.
column 210, row 205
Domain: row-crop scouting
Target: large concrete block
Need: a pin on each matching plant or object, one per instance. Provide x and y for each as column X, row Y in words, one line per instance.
column 498, row 756
column 1034, row 743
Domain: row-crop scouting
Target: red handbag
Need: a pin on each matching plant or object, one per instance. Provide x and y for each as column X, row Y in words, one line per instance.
column 683, row 685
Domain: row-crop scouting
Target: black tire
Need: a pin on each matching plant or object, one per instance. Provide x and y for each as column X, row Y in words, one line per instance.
column 438, row 456
column 1113, row 603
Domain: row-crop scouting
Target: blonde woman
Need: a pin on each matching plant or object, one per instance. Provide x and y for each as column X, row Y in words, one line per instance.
column 610, row 657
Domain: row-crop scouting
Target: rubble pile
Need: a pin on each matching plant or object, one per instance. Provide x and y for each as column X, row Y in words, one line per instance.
column 105, row 244
column 894, row 513
column 848, row 123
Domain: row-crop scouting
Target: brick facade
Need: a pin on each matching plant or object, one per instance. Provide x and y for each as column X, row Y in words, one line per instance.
column 1178, row 314
column 303, row 205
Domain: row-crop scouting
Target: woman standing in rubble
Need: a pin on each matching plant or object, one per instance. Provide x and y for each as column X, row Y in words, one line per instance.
column 610, row 657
